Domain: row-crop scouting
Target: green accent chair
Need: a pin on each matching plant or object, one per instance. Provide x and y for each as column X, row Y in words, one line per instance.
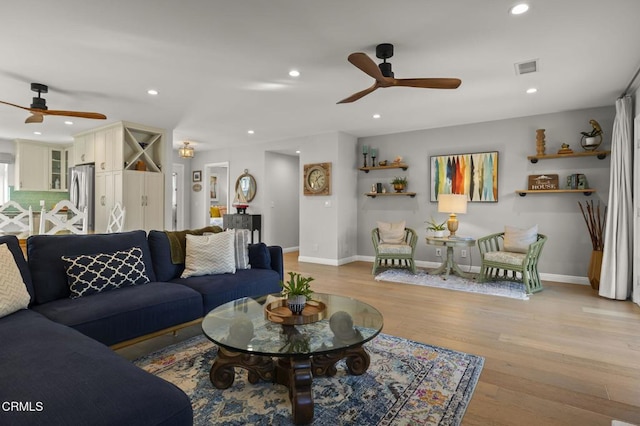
column 395, row 255
column 500, row 264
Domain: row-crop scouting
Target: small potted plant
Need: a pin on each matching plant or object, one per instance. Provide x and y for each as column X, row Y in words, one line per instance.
column 399, row 183
column 297, row 290
column 435, row 227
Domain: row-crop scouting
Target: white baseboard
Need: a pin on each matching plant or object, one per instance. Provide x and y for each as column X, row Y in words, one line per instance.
column 330, row 262
column 290, row 249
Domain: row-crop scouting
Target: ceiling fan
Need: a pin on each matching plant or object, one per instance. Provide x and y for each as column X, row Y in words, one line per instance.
column 384, row 75
column 39, row 108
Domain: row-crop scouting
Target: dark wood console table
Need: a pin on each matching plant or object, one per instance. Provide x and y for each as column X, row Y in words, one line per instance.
column 252, row 222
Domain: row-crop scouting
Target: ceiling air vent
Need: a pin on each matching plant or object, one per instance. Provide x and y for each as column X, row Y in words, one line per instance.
column 527, row 67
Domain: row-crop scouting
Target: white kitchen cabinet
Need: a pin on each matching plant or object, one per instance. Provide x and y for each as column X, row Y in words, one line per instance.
column 108, row 148
column 32, row 168
column 108, row 191
column 84, row 148
column 57, row 175
column 143, row 198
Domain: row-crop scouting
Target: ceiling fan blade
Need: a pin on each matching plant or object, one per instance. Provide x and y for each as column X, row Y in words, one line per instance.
column 93, row 115
column 14, row 105
column 35, row 118
column 366, row 65
column 360, row 94
column 429, row 83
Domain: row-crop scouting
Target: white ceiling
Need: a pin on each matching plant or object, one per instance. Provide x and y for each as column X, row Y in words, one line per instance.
column 221, row 66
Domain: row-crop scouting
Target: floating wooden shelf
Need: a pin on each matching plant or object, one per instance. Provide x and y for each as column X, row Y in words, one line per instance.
column 402, row 166
column 523, row 192
column 600, row 154
column 390, row 194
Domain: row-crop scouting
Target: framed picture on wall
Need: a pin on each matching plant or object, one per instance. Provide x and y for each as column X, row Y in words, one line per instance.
column 197, row 175
column 213, row 187
column 475, row 175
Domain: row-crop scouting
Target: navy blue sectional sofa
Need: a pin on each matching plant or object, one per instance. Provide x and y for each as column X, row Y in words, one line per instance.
column 54, row 366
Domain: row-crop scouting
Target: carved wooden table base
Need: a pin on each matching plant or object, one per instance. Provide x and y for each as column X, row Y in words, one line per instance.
column 294, row 372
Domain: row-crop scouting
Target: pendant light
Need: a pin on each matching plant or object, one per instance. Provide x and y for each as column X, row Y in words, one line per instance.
column 186, row 151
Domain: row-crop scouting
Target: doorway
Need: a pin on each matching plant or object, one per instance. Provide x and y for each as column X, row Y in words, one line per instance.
column 177, row 197
column 215, row 190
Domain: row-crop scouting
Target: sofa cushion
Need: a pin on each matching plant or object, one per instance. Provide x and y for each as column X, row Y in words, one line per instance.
column 78, row 381
column 13, row 293
column 14, row 246
column 219, row 289
column 44, row 253
column 115, row 316
column 518, row 240
column 210, row 254
column 94, row 273
column 259, row 256
column 163, row 267
column 391, row 233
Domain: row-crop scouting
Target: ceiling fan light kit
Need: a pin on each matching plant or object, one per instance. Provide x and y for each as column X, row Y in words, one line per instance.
column 39, row 107
column 384, row 76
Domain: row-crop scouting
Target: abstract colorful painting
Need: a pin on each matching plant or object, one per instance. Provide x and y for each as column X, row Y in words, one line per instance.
column 475, row 175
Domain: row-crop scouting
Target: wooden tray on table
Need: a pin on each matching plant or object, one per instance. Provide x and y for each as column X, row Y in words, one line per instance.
column 278, row 312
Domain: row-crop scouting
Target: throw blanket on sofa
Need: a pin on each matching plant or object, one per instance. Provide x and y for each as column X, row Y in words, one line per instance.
column 178, row 241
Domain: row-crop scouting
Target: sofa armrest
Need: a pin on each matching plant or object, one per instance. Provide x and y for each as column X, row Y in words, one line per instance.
column 277, row 260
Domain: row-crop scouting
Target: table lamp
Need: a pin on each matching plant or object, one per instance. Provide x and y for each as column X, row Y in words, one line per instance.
column 452, row 204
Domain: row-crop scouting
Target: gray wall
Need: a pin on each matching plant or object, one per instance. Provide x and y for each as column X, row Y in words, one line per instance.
column 568, row 249
column 282, row 222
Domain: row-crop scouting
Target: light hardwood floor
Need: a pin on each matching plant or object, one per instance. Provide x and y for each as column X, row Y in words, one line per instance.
column 564, row 357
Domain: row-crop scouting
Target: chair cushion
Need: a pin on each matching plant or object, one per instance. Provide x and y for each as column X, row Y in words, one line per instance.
column 518, row 240
column 385, row 248
column 392, row 233
column 507, row 257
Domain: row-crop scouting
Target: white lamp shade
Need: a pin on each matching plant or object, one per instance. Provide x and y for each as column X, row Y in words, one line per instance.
column 452, row 203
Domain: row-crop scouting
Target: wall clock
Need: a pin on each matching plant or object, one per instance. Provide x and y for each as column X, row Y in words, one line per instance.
column 317, row 179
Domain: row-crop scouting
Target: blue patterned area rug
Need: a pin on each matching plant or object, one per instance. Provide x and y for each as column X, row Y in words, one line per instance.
column 407, row 383
column 511, row 289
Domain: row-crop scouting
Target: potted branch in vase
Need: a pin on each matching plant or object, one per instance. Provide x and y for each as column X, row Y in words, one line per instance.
column 297, row 290
column 399, row 183
column 437, row 228
column 595, row 224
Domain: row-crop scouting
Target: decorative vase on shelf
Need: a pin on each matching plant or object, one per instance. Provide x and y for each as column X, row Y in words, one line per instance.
column 595, row 266
column 296, row 304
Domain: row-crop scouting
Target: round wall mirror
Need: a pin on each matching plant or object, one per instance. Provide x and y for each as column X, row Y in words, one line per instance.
column 246, row 187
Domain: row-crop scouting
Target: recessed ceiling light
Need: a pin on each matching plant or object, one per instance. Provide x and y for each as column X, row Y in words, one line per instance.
column 376, row 116
column 294, row 73
column 519, row 9
column 532, row 90
column 251, row 132
column 68, row 122
column 297, row 151
column 37, row 133
column 152, row 92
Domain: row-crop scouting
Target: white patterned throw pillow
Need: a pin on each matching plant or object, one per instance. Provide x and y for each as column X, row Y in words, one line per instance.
column 94, row 273
column 13, row 292
column 210, row 254
column 241, row 247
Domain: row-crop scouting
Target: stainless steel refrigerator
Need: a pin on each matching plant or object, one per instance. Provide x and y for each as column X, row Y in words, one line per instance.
column 82, row 190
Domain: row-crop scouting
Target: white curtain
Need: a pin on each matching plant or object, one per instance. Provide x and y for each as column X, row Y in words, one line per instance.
column 616, row 275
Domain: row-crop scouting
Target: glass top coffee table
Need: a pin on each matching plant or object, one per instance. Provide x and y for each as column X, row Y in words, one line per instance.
column 250, row 337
